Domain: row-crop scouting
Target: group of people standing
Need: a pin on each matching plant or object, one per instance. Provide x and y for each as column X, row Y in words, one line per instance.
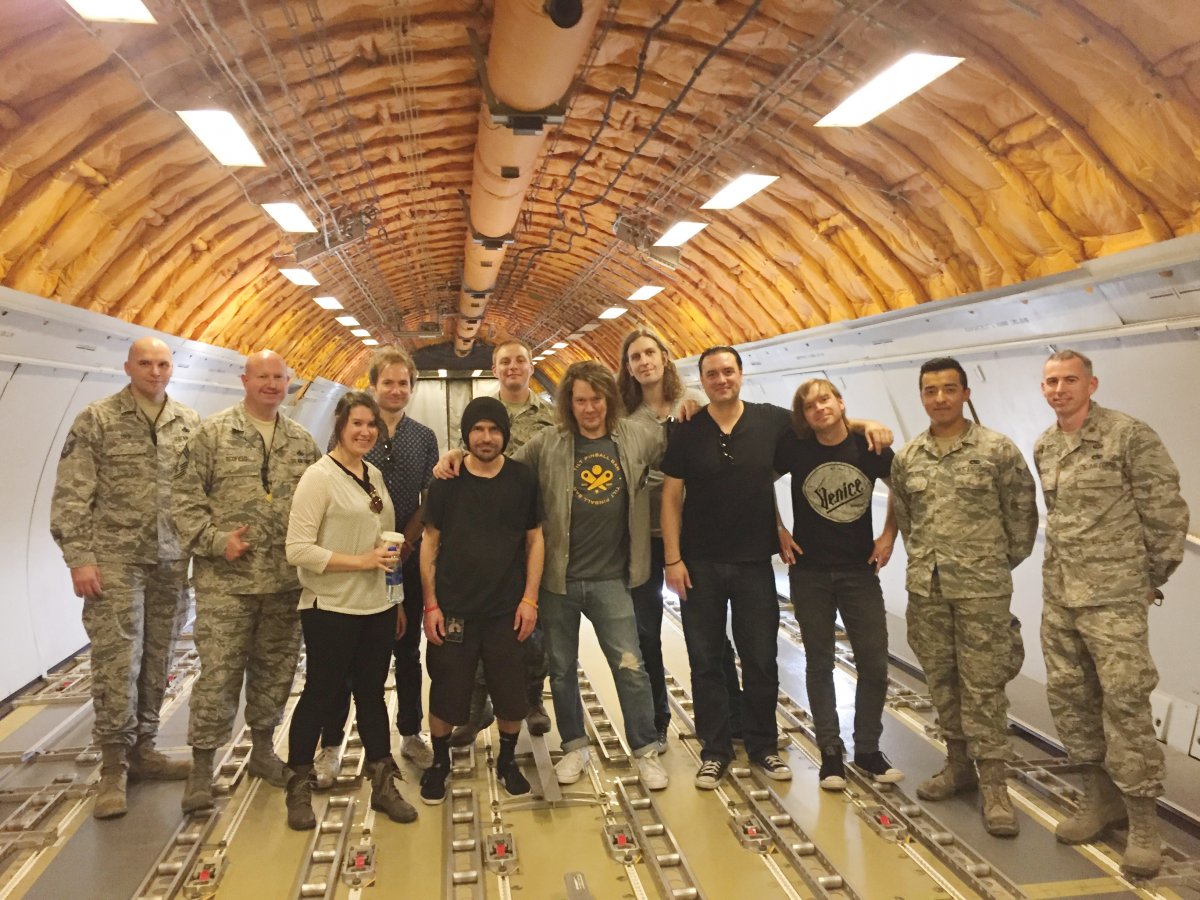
column 587, row 508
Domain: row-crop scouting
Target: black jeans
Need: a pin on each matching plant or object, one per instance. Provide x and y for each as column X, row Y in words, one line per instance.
column 343, row 648
column 407, row 652
column 748, row 591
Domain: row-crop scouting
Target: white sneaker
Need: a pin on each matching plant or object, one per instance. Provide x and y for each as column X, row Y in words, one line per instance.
column 571, row 766
column 416, row 751
column 327, row 765
column 654, row 776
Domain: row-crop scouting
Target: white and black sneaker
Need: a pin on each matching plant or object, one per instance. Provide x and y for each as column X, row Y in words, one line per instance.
column 877, row 766
column 710, row 773
column 773, row 767
column 833, row 772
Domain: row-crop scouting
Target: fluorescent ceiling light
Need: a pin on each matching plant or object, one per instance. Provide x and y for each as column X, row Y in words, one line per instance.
column 441, row 373
column 360, row 332
column 680, row 233
column 113, row 11
column 546, row 353
column 371, row 342
column 477, row 373
column 613, row 312
column 299, row 276
column 590, row 326
column 327, row 302
column 348, row 321
column 574, row 337
column 645, row 292
column 290, row 217
column 560, row 345
column 889, row 87
column 739, row 190
column 223, row 136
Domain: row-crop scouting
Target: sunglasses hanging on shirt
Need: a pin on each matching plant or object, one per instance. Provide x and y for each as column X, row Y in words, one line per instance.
column 365, row 484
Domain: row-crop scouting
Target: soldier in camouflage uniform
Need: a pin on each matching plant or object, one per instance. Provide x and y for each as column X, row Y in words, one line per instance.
column 233, row 495
column 966, row 504
column 1115, row 531
column 528, row 414
column 110, row 516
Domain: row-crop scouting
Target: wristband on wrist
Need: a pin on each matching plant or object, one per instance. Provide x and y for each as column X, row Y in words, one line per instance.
column 430, row 609
column 529, row 602
column 677, row 562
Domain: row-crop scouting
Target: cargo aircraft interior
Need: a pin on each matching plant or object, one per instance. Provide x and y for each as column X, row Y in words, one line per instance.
column 839, row 189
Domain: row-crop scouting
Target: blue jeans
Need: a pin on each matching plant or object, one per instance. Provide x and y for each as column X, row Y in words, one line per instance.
column 819, row 593
column 748, row 590
column 610, row 610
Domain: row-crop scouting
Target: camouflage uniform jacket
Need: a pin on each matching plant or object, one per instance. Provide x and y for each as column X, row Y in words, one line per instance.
column 112, row 498
column 970, row 515
column 533, row 417
column 219, row 486
column 1115, row 520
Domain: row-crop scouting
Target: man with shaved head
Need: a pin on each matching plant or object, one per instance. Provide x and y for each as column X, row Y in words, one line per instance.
column 233, row 496
column 111, row 516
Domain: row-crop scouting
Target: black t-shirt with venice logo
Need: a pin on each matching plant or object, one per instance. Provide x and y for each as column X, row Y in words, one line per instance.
column 599, row 518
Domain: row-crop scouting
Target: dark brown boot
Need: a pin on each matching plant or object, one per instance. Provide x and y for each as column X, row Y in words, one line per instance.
column 384, row 795
column 300, row 816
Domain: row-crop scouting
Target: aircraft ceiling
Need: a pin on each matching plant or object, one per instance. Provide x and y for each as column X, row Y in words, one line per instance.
column 1071, row 131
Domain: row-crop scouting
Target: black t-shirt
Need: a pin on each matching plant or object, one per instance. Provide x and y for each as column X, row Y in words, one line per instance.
column 831, row 497
column 729, row 504
column 481, row 560
column 599, row 512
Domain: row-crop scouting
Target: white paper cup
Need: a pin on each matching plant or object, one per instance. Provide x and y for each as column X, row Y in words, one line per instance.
column 393, row 539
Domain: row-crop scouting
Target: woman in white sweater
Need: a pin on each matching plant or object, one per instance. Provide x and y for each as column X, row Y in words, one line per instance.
column 339, row 512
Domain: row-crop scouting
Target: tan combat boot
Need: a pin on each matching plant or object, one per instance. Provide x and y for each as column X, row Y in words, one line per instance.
column 198, row 792
column 384, row 795
column 110, row 791
column 263, row 761
column 147, row 764
column 1100, row 806
column 999, row 818
column 1143, row 852
column 300, row 816
column 956, row 777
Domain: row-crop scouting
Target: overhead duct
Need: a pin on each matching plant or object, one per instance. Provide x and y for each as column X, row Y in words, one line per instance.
column 535, row 48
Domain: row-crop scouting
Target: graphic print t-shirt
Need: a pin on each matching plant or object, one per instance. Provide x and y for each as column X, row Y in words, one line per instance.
column 831, row 497
column 599, row 521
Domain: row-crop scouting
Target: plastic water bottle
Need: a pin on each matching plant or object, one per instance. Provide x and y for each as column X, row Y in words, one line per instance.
column 395, row 578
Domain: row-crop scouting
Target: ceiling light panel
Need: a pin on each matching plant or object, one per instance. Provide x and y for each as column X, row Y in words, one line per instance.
column 131, row 11
column 371, row 342
column 680, row 233
column 889, row 87
column 613, row 312
column 546, row 353
column 559, row 345
column 360, row 332
column 574, row 337
column 348, row 321
column 327, row 302
column 590, row 326
column 299, row 276
column 291, row 218
column 223, row 136
column 739, row 190
column 645, row 292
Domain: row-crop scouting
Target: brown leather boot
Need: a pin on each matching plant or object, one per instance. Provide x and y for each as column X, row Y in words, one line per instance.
column 999, row 817
column 384, row 795
column 146, row 763
column 110, row 790
column 956, row 777
column 1100, row 806
column 1143, row 852
column 300, row 816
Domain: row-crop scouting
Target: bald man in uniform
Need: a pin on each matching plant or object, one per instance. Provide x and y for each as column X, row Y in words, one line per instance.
column 110, row 515
column 233, row 496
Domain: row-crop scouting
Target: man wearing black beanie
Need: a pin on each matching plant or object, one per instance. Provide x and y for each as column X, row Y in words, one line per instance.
column 491, row 515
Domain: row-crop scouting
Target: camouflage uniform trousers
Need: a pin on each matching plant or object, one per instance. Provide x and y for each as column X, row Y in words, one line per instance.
column 255, row 637
column 133, row 626
column 965, row 646
column 1099, row 676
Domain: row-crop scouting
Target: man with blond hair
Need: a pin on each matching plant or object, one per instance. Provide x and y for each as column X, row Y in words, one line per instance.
column 110, row 514
column 1115, row 531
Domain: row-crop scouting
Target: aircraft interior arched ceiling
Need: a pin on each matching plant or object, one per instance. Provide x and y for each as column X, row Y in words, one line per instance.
column 1071, row 131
